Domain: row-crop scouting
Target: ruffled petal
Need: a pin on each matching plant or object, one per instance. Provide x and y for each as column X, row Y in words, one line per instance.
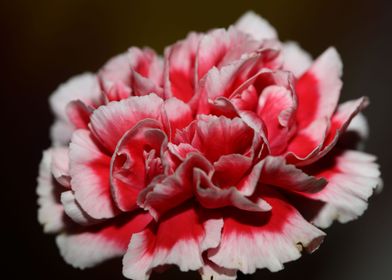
column 50, row 211
column 102, row 242
column 167, row 243
column 264, row 240
column 352, row 177
column 212, row 271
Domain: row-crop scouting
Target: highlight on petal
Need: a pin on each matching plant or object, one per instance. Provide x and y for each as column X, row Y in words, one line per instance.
column 296, row 60
column 167, row 243
column 256, row 26
column 89, row 171
column 264, row 239
column 99, row 243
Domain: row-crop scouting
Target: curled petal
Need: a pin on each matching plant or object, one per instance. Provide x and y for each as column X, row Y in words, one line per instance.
column 110, row 122
column 175, row 189
column 307, row 143
column 211, row 196
column 278, row 173
column 129, row 169
column 341, row 120
column 276, row 108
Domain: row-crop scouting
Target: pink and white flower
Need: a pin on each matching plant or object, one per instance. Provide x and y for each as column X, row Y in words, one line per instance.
column 226, row 154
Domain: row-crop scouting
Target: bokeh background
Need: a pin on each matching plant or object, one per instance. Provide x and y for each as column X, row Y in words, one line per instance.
column 43, row 43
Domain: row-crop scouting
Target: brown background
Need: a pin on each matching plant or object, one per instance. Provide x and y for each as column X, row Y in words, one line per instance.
column 43, row 43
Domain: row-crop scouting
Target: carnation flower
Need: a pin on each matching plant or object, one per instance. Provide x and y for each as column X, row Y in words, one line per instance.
column 227, row 154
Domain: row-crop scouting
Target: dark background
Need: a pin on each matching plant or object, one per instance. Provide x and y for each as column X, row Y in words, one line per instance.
column 43, row 43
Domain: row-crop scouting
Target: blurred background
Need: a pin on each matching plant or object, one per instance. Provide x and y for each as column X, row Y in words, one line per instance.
column 43, row 43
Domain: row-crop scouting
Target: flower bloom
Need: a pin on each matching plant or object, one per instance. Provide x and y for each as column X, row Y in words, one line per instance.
column 226, row 154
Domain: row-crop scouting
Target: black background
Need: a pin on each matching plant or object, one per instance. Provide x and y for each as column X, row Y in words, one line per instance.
column 43, row 43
